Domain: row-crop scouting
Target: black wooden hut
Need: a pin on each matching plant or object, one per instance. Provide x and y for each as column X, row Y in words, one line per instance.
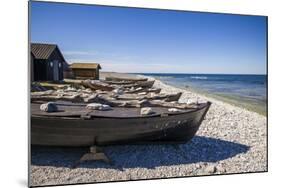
column 47, row 62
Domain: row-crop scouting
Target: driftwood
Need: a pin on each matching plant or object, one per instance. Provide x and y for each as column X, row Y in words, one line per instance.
column 125, row 79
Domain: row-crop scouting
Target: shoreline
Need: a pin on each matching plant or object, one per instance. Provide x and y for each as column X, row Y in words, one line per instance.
column 213, row 97
column 230, row 140
column 195, row 93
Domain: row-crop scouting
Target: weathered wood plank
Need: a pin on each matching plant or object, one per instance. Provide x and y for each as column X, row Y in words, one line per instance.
column 110, row 78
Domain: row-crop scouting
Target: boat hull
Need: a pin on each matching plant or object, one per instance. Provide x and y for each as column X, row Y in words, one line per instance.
column 58, row 131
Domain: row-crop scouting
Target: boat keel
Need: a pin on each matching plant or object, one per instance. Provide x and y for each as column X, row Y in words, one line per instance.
column 95, row 154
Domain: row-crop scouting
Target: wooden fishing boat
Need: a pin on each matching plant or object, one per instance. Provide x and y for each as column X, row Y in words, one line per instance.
column 141, row 90
column 150, row 96
column 74, row 125
column 119, row 82
column 110, row 78
column 110, row 98
column 143, row 84
column 97, row 85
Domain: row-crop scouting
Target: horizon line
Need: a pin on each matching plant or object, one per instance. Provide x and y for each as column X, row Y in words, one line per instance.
column 187, row 73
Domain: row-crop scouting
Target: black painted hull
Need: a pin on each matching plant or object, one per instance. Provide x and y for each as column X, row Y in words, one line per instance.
column 58, row 131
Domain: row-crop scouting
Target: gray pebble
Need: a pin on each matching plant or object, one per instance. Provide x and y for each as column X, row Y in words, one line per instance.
column 49, row 107
column 211, row 169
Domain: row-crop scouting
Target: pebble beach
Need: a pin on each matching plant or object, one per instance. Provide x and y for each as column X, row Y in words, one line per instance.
column 230, row 140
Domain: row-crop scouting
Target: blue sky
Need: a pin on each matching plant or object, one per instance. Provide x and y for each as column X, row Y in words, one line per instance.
column 152, row 41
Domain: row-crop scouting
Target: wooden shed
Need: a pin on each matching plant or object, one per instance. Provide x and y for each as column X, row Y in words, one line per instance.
column 85, row 70
column 47, row 62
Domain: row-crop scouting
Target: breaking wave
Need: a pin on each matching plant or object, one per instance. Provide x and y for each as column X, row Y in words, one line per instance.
column 199, row 77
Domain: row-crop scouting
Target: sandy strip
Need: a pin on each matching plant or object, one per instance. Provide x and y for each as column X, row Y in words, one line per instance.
column 230, row 140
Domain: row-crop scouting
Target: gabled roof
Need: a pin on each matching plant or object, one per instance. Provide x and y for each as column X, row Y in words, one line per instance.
column 85, row 66
column 43, row 51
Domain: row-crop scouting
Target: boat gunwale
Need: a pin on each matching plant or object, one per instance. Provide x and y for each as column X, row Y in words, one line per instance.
column 88, row 117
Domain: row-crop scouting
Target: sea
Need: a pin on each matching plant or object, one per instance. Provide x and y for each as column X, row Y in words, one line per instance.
column 247, row 91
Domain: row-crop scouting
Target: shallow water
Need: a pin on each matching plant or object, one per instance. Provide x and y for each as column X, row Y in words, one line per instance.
column 248, row 91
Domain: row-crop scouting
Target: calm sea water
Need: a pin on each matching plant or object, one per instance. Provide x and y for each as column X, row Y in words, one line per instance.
column 248, row 91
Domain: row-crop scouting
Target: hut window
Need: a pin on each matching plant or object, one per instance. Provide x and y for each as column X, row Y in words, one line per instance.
column 51, row 64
